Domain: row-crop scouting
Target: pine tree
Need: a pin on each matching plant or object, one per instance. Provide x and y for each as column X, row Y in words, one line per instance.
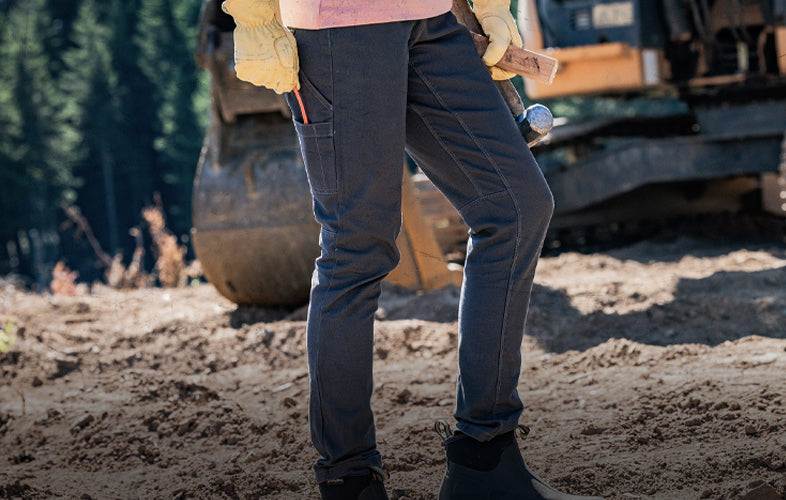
column 92, row 86
column 35, row 172
column 166, row 38
column 62, row 13
column 137, row 124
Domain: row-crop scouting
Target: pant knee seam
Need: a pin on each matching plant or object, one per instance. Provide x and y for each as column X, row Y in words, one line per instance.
column 434, row 133
column 508, row 189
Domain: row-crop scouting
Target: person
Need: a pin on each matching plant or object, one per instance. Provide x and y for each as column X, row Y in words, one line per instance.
column 367, row 80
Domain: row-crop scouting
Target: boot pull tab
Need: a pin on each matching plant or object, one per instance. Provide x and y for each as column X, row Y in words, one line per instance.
column 378, row 473
column 443, row 429
column 522, row 431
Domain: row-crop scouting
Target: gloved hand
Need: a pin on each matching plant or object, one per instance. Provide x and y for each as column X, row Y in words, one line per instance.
column 497, row 21
column 265, row 51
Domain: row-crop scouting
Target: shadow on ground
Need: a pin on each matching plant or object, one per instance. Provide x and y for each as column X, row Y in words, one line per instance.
column 724, row 306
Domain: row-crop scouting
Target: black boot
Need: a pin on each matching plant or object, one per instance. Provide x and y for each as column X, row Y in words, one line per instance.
column 492, row 470
column 366, row 487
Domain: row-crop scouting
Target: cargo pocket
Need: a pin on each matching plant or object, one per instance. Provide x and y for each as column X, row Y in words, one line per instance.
column 316, row 144
column 316, row 136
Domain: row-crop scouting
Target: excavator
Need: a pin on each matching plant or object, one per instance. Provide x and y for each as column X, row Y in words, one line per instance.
column 711, row 142
column 714, row 143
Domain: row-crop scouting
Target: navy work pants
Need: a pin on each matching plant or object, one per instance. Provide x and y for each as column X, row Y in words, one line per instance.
column 370, row 92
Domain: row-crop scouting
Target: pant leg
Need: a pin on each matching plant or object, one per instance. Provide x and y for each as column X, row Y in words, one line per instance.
column 464, row 138
column 353, row 85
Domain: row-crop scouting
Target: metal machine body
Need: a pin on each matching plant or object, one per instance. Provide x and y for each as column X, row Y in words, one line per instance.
column 253, row 228
column 723, row 60
column 253, row 231
column 723, row 150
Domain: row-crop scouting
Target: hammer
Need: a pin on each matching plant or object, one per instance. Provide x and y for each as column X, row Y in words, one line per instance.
column 535, row 121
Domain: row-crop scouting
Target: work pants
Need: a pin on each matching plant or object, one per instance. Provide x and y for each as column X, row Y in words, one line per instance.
column 369, row 92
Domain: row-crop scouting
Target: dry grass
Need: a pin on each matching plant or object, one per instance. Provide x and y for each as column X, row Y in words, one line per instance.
column 170, row 267
column 64, row 281
column 170, row 262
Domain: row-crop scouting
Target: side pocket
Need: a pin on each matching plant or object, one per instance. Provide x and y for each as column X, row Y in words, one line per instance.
column 316, row 144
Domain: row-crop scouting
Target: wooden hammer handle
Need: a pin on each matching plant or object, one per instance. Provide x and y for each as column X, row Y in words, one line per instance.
column 524, row 62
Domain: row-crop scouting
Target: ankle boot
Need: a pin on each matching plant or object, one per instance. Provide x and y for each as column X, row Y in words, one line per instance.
column 365, row 487
column 492, row 470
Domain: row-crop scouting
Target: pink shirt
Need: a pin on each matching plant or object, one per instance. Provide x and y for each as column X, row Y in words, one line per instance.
column 316, row 14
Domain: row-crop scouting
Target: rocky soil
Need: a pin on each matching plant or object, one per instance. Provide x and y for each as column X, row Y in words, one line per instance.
column 654, row 371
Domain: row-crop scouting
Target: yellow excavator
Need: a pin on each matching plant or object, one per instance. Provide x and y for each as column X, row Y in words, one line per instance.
column 720, row 148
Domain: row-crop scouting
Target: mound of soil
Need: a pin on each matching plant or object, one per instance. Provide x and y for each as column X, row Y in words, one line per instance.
column 652, row 371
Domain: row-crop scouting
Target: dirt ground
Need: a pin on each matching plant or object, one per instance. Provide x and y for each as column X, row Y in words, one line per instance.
column 652, row 371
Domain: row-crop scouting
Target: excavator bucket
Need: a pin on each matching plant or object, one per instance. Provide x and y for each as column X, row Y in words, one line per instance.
column 254, row 232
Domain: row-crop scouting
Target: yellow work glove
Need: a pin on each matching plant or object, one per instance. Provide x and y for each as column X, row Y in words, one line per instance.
column 265, row 51
column 497, row 21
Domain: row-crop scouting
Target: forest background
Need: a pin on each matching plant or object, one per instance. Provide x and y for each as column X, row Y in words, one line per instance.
column 103, row 110
column 101, row 107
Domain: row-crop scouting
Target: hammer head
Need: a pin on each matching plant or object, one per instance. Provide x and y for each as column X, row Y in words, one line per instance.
column 535, row 123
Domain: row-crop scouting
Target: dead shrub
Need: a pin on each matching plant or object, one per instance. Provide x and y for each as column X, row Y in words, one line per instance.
column 64, row 281
column 169, row 255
